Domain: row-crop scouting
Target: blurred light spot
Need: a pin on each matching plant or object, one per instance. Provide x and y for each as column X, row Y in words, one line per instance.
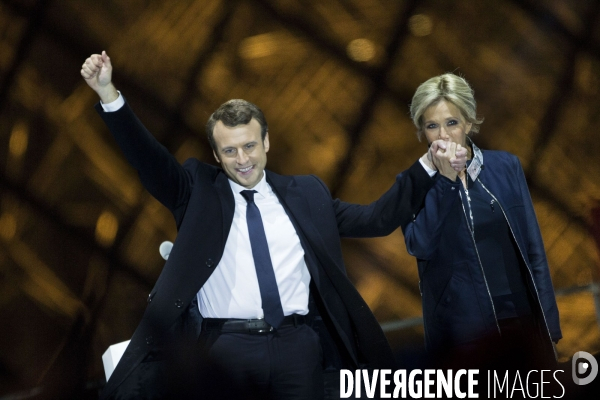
column 584, row 277
column 8, row 226
column 258, row 46
column 420, row 25
column 322, row 157
column 372, row 287
column 586, row 77
column 19, row 136
column 361, row 50
column 106, row 228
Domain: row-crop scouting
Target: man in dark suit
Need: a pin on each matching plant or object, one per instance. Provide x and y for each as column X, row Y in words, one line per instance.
column 255, row 285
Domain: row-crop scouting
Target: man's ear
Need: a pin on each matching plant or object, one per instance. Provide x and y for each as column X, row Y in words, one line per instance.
column 266, row 142
column 216, row 157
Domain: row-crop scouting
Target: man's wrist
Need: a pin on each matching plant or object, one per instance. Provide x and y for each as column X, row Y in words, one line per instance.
column 427, row 165
column 108, row 93
column 114, row 105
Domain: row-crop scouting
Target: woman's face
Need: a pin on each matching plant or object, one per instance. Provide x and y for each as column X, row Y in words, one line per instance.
column 444, row 120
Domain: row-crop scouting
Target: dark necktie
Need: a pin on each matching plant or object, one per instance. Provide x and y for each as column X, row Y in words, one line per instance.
column 269, row 293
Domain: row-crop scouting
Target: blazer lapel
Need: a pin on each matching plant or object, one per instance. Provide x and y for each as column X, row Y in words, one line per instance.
column 294, row 201
column 227, row 202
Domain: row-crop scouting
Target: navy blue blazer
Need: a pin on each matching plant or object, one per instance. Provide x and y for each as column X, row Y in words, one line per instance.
column 457, row 306
column 201, row 201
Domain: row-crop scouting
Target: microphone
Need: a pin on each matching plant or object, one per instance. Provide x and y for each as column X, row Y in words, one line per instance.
column 165, row 249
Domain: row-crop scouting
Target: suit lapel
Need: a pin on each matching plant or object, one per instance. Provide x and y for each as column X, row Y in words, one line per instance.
column 296, row 206
column 227, row 202
column 293, row 199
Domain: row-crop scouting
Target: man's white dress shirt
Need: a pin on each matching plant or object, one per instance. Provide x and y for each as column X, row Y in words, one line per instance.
column 232, row 290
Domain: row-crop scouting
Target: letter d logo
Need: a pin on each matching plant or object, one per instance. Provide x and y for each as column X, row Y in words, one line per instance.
column 581, row 368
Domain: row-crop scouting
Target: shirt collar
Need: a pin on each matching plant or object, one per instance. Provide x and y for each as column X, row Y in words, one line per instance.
column 262, row 188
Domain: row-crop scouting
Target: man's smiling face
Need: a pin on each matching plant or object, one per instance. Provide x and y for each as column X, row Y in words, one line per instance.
column 241, row 152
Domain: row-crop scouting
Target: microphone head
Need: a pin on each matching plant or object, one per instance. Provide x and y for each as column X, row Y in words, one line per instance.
column 165, row 249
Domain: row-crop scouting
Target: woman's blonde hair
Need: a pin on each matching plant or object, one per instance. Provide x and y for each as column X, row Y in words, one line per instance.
column 447, row 87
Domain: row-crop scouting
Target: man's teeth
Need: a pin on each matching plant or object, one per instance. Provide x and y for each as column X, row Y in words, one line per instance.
column 245, row 169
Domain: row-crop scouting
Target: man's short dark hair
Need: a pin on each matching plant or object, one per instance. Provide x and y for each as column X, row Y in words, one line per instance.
column 233, row 113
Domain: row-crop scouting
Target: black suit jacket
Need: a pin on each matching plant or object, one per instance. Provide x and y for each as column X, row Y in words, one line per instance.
column 200, row 198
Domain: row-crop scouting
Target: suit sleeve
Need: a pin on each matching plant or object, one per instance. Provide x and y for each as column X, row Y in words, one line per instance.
column 160, row 173
column 422, row 235
column 537, row 257
column 395, row 208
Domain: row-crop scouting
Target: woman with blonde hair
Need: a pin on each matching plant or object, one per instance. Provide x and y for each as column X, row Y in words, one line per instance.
column 483, row 272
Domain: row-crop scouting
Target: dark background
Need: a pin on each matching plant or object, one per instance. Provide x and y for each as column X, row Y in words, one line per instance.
column 79, row 236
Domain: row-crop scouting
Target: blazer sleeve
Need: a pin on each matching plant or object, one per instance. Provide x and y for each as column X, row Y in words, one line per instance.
column 160, row 173
column 537, row 257
column 422, row 235
column 394, row 208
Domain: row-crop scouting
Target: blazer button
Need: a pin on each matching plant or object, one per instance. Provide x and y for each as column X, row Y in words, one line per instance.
column 149, row 340
column 178, row 303
column 453, row 188
column 209, row 263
